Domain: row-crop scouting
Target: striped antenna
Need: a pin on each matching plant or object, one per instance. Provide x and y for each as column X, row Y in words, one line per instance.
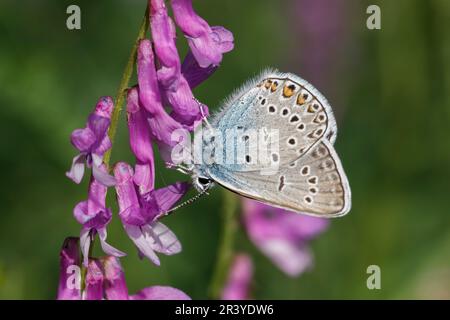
column 188, row 201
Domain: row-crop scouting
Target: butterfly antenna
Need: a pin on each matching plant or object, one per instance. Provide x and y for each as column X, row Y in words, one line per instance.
column 188, row 201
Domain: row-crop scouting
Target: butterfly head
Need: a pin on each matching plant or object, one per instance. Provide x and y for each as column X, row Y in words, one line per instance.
column 202, row 182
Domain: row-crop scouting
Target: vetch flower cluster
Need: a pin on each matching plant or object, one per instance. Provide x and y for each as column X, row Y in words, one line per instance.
column 163, row 82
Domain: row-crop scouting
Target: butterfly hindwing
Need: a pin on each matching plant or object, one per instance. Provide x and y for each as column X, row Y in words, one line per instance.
column 315, row 184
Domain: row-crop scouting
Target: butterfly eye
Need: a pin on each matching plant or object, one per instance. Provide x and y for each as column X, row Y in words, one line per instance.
column 203, row 181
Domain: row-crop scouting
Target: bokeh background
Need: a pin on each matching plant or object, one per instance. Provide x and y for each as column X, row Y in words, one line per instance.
column 390, row 89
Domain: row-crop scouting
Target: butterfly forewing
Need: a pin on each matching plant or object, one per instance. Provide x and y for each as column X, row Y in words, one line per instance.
column 280, row 117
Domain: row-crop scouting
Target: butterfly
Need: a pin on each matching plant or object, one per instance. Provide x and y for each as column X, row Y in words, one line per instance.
column 291, row 163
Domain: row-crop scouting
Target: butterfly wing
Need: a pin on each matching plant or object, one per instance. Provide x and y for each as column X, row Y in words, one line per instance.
column 315, row 184
column 309, row 176
column 281, row 103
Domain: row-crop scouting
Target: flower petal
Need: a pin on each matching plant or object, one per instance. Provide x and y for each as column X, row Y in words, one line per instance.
column 292, row 259
column 114, row 279
column 144, row 246
column 186, row 109
column 96, row 194
column 156, row 203
column 99, row 126
column 127, row 198
column 106, row 247
column 163, row 35
column 76, row 171
column 167, row 197
column 140, row 142
column 104, row 107
column 144, row 176
column 102, row 177
column 85, row 243
column 94, row 280
column 83, row 139
column 193, row 73
column 282, row 235
column 160, row 293
column 207, row 44
column 239, row 278
column 69, row 287
column 160, row 123
column 103, row 146
column 162, row 239
column 80, row 212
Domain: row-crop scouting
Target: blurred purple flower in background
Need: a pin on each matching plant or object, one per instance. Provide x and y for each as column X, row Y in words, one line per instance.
column 282, row 235
column 240, row 275
column 92, row 142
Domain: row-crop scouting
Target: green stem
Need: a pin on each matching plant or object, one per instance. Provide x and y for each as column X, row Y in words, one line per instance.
column 226, row 244
column 123, row 86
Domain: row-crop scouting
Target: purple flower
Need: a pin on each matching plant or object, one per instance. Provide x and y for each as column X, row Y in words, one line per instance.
column 175, row 88
column 193, row 73
column 282, row 235
column 160, row 293
column 140, row 212
column 140, row 141
column 94, row 281
column 69, row 287
column 161, row 124
column 115, row 287
column 207, row 43
column 114, row 279
column 94, row 216
column 239, row 278
column 92, row 142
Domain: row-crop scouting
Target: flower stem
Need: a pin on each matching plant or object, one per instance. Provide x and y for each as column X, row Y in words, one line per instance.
column 226, row 244
column 123, row 86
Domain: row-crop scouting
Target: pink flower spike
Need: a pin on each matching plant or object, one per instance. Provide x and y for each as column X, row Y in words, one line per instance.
column 239, row 278
column 207, row 44
column 69, row 287
column 160, row 293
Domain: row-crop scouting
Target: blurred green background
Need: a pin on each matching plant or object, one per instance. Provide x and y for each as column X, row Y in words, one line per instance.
column 390, row 89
